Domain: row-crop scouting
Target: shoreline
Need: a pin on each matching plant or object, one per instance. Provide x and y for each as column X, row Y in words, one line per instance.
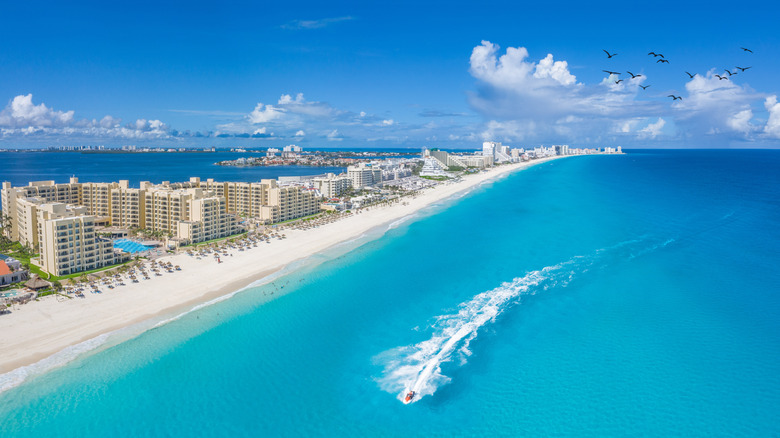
column 37, row 332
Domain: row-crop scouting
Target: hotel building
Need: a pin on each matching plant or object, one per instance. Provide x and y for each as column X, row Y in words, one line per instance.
column 332, row 186
column 364, row 175
column 68, row 242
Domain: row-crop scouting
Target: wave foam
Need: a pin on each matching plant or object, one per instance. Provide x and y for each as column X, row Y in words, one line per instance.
column 418, row 367
column 16, row 377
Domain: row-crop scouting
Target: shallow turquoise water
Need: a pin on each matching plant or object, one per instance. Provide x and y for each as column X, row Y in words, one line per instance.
column 626, row 295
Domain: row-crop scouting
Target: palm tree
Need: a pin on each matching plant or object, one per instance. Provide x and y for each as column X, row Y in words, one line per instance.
column 5, row 227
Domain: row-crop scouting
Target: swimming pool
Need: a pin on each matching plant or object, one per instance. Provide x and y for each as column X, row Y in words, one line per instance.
column 10, row 294
column 130, row 246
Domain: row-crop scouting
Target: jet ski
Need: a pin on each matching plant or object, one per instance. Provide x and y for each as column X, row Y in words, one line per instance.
column 409, row 397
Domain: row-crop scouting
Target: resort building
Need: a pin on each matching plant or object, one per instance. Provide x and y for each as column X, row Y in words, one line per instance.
column 189, row 212
column 128, row 206
column 432, row 167
column 164, row 208
column 207, row 221
column 447, row 160
column 364, row 175
column 47, row 191
column 27, row 221
column 332, row 186
column 288, row 202
column 11, row 270
column 561, row 149
column 68, row 242
column 497, row 151
column 291, row 151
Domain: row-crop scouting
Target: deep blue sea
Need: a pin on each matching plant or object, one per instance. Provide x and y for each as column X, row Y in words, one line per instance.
column 21, row 167
column 633, row 295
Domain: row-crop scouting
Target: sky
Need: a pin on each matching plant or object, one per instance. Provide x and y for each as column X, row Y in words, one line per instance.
column 401, row 74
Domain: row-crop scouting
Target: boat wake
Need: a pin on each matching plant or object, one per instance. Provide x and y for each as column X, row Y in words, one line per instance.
column 417, row 367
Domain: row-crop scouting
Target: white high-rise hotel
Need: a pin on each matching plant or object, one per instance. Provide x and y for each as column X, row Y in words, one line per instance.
column 499, row 152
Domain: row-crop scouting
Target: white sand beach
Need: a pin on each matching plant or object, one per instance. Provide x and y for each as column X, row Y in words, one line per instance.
column 37, row 330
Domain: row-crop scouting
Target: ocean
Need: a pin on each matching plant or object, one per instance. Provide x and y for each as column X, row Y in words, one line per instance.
column 631, row 295
column 22, row 167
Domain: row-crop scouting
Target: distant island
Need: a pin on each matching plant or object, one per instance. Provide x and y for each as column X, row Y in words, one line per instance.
column 293, row 155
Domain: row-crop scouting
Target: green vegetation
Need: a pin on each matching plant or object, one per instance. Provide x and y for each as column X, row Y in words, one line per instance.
column 302, row 218
column 234, row 236
column 454, row 168
column 84, row 274
column 24, row 254
column 436, row 178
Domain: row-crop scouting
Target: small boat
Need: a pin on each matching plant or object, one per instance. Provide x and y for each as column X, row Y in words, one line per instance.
column 409, row 397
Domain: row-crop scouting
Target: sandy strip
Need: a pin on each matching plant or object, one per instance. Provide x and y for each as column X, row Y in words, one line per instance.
column 40, row 329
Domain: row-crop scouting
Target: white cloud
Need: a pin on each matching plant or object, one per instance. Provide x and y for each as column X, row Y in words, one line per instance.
column 772, row 128
column 286, row 99
column 511, row 87
column 334, row 135
column 300, row 133
column 21, row 112
column 388, row 122
column 314, row 24
column 740, row 121
column 542, row 100
column 109, row 122
column 715, row 106
column 262, row 130
column 558, row 70
column 263, row 114
column 21, row 117
column 512, row 130
column 653, row 129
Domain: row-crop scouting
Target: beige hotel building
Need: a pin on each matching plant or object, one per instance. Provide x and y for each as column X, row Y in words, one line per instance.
column 188, row 212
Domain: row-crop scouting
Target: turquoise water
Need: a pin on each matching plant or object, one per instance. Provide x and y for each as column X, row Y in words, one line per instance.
column 595, row 296
column 130, row 246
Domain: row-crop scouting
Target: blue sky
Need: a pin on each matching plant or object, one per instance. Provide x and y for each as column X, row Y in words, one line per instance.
column 443, row 74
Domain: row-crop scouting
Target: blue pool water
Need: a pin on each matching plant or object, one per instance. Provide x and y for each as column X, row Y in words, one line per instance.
column 130, row 246
column 630, row 295
column 10, row 294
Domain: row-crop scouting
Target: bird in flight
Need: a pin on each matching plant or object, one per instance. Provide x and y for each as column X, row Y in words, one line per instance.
column 608, row 55
column 656, row 54
column 662, row 60
column 619, row 81
column 633, row 75
column 689, row 75
column 730, row 73
column 747, row 50
column 644, row 87
column 611, row 72
column 674, row 97
column 743, row 69
column 721, row 77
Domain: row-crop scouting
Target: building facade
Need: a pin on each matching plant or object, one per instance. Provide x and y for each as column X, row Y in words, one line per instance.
column 364, row 175
column 332, row 186
column 68, row 242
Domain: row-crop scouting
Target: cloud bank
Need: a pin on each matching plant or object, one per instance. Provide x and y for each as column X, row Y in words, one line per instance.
column 22, row 117
column 527, row 100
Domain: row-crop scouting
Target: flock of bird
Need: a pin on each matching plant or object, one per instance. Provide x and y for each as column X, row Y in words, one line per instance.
column 663, row 60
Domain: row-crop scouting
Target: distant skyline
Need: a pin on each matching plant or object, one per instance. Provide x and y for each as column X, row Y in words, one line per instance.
column 353, row 75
